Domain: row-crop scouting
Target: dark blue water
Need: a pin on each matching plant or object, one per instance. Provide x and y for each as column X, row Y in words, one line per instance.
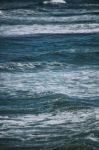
column 49, row 75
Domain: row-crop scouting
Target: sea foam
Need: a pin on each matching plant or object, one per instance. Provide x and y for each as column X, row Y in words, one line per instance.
column 55, row 2
column 19, row 30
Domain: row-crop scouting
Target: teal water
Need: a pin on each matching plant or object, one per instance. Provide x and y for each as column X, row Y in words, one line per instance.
column 49, row 75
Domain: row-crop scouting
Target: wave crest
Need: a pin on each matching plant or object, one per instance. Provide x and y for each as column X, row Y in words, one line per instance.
column 54, row 2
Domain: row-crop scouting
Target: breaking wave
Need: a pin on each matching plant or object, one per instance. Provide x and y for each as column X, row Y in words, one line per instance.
column 19, row 30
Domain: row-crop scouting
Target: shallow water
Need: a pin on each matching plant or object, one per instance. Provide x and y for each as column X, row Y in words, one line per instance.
column 49, row 75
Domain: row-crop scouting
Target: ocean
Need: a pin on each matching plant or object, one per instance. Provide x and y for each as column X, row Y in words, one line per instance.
column 49, row 75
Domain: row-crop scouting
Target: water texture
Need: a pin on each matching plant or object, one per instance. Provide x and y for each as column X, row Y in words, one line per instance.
column 49, row 75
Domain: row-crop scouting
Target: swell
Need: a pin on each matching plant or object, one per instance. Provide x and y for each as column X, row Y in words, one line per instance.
column 38, row 105
column 54, row 60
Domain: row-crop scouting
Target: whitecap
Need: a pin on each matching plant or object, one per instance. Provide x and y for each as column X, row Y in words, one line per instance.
column 19, row 30
column 81, row 83
column 48, row 119
column 55, row 2
column 1, row 12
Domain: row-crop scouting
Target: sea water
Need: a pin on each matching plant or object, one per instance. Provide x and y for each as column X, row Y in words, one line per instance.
column 49, row 75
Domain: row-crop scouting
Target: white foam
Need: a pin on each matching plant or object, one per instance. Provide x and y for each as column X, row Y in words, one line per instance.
column 54, row 2
column 47, row 119
column 19, row 30
column 81, row 83
column 39, row 124
column 11, row 66
column 48, row 125
column 52, row 19
column 1, row 12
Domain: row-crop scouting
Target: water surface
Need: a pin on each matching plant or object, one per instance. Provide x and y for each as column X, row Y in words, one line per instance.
column 49, row 75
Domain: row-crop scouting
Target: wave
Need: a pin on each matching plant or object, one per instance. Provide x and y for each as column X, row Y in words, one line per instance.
column 17, row 66
column 60, row 59
column 55, row 2
column 45, row 128
column 29, row 66
column 32, row 4
column 46, row 103
column 20, row 30
column 78, row 83
column 1, row 12
column 45, row 20
column 48, row 119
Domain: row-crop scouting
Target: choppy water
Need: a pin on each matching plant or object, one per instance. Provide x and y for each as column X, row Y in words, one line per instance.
column 49, row 75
